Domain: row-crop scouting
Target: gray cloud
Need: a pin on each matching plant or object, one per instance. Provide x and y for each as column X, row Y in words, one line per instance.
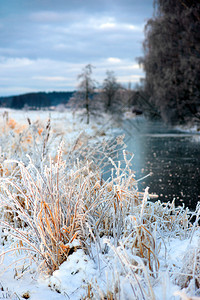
column 39, row 38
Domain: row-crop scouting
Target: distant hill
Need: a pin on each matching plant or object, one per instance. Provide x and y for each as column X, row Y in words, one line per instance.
column 36, row 100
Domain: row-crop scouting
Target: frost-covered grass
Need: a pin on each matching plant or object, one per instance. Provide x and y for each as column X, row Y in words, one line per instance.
column 69, row 233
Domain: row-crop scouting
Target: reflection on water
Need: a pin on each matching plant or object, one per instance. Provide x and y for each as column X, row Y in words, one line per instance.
column 173, row 158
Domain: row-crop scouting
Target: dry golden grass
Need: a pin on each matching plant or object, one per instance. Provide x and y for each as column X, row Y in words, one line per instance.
column 36, row 202
column 59, row 206
column 189, row 276
column 50, row 206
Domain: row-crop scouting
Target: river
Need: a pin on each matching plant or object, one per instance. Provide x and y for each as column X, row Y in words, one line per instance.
column 171, row 156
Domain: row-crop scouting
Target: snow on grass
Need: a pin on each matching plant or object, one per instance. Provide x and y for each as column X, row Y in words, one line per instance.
column 66, row 233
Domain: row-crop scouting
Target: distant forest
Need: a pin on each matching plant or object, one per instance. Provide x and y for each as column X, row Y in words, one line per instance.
column 36, row 100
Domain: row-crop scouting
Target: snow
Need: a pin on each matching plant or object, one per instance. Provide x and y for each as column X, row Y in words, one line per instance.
column 101, row 270
column 70, row 280
column 72, row 274
column 191, row 130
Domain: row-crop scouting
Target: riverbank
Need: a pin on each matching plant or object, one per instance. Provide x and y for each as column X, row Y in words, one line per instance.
column 98, row 239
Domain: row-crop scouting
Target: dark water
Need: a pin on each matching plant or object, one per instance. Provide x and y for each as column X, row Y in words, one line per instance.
column 173, row 158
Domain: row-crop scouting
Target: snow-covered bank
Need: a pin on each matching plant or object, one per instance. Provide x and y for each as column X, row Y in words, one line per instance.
column 72, row 279
column 97, row 239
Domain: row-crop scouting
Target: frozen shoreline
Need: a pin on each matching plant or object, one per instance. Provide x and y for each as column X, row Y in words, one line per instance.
column 73, row 277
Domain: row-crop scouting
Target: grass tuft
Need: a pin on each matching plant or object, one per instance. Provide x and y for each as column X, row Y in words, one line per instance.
column 86, row 196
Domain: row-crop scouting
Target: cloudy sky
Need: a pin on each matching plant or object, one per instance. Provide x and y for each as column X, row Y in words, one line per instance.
column 44, row 44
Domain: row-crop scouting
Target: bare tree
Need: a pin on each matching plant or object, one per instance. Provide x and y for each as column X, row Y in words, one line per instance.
column 86, row 88
column 110, row 89
column 172, row 60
